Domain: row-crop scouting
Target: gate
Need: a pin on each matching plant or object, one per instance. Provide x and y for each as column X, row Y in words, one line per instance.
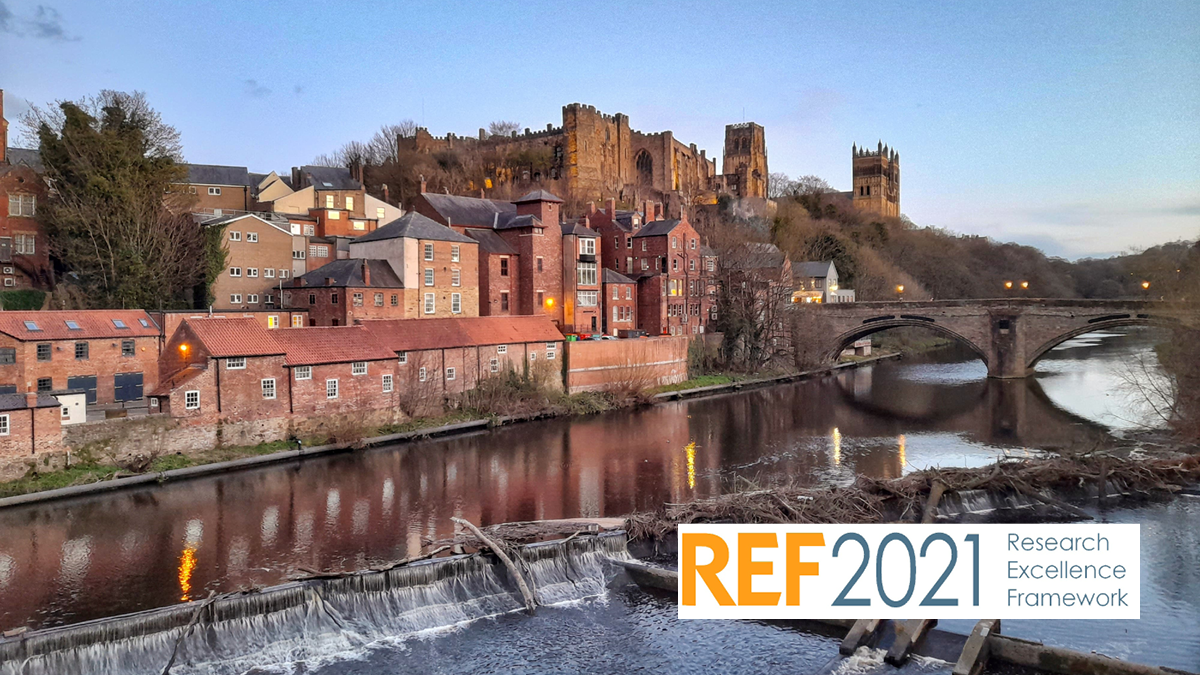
column 85, row 382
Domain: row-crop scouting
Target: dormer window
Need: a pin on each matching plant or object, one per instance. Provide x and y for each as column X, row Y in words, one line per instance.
column 587, row 246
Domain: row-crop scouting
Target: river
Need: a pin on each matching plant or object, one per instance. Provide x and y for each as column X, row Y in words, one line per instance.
column 120, row 552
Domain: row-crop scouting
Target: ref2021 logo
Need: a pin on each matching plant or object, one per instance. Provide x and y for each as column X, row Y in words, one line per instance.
column 909, row 571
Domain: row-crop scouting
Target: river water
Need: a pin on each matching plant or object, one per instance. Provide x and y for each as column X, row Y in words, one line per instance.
column 110, row 554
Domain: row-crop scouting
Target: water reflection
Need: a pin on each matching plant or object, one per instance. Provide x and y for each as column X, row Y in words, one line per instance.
column 126, row 551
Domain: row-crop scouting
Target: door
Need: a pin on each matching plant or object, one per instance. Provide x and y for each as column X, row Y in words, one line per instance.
column 87, row 383
column 593, row 324
column 6, row 249
column 127, row 387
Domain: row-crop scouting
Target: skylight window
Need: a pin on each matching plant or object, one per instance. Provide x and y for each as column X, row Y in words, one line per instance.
column 71, row 325
column 119, row 323
column 30, row 325
column 327, row 184
column 145, row 323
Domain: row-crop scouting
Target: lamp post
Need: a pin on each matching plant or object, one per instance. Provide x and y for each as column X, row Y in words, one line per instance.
column 900, row 291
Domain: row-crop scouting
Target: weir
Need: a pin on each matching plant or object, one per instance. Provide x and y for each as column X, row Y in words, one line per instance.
column 316, row 620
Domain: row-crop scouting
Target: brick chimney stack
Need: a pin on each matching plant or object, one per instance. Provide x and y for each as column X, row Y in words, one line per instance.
column 610, row 207
column 31, row 399
column 591, row 208
column 366, row 273
column 422, row 183
column 648, row 212
column 385, row 193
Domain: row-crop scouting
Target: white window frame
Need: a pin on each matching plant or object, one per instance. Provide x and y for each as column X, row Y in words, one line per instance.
column 331, row 388
column 533, row 356
column 587, row 246
column 214, row 192
column 329, row 201
column 303, row 372
column 456, row 303
column 349, row 203
column 235, row 298
column 297, row 321
column 550, row 351
column 501, row 349
column 587, row 298
column 358, row 368
column 430, row 303
column 252, row 299
column 428, row 251
column 451, row 372
column 421, row 375
column 273, row 321
column 387, row 384
column 428, row 276
column 456, row 277
column 268, row 272
column 235, row 363
column 252, row 272
column 5, row 428
column 455, row 252
column 268, row 388
column 191, row 402
column 235, row 236
column 495, row 365
column 252, row 237
column 402, row 357
column 235, row 271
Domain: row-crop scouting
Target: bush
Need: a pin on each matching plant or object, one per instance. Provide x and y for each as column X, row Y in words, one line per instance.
column 25, row 299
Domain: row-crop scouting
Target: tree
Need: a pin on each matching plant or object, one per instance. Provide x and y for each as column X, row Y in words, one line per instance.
column 116, row 229
column 780, row 186
column 503, row 128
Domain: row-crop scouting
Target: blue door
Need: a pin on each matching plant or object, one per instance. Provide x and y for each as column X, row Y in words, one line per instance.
column 127, row 387
column 85, row 382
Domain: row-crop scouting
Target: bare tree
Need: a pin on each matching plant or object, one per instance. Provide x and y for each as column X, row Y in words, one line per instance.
column 780, row 186
column 158, row 139
column 503, row 128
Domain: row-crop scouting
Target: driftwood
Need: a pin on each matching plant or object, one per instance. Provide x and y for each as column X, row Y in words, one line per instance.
column 310, row 573
column 188, row 631
column 935, row 496
column 530, row 602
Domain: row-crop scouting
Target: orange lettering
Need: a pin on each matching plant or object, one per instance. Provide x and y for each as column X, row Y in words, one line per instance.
column 748, row 569
column 688, row 568
column 797, row 569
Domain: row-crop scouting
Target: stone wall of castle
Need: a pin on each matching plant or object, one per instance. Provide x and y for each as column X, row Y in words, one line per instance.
column 877, row 180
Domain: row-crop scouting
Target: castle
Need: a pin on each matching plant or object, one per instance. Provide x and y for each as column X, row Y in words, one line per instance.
column 876, row 180
column 595, row 156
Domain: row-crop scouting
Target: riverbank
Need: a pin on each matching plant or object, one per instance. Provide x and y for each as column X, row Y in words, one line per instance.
column 87, row 475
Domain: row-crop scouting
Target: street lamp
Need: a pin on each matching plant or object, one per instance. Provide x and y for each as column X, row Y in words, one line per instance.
column 1008, row 285
column 1145, row 285
column 1025, row 285
column 899, row 291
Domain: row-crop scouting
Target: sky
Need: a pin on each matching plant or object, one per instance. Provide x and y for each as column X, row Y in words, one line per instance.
column 1070, row 126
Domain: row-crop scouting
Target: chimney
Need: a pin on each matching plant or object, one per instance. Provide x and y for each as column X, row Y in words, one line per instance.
column 298, row 281
column 648, row 212
column 591, row 208
column 422, row 183
column 329, row 281
column 385, row 193
column 481, row 194
column 610, row 207
column 366, row 273
column 31, row 399
column 658, row 210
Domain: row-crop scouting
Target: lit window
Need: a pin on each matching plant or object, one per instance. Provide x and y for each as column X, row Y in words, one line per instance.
column 329, row 201
column 380, row 213
column 297, row 321
column 429, row 251
column 429, row 304
column 456, row 303
column 272, row 321
column 235, row 363
column 331, row 388
column 304, row 372
column 349, row 203
column 359, row 225
column 268, row 388
column 358, row 368
column 387, row 384
column 335, row 215
column 454, row 252
column 450, row 372
column 191, row 400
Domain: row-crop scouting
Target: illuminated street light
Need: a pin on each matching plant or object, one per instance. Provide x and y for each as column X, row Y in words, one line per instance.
column 1025, row 285
column 183, row 349
column 1008, row 284
column 549, row 303
column 900, row 288
column 1145, row 285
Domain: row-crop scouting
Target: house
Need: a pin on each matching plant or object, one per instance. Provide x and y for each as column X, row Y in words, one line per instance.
column 450, row 356
column 258, row 264
column 169, row 320
column 111, row 354
column 617, row 228
column 437, row 266
column 327, row 197
column 620, row 302
column 672, row 282
column 582, row 304
column 30, row 424
column 499, row 274
column 218, row 190
column 24, row 255
column 346, row 291
column 818, row 282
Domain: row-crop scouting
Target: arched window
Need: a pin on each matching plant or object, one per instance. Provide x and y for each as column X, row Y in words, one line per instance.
column 645, row 167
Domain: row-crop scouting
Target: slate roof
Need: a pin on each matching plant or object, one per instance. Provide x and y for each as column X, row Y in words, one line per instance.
column 538, row 196
column 30, row 158
column 756, row 255
column 93, row 324
column 17, row 402
column 412, row 335
column 508, row 221
column 316, row 345
column 614, row 277
column 579, row 230
column 657, row 228
column 812, row 270
column 240, row 336
column 490, row 242
column 216, row 174
column 330, row 178
column 468, row 211
column 348, row 272
column 415, row 226
column 274, row 220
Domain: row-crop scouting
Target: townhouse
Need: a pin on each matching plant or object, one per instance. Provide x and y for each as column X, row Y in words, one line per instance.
column 260, row 255
column 620, row 295
column 112, row 355
column 582, row 301
column 346, row 291
column 818, row 282
column 24, row 256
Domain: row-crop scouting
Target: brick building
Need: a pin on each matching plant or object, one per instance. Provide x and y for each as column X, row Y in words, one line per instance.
column 218, row 190
column 581, row 259
column 259, row 261
column 672, row 279
column 30, row 424
column 24, row 255
column 449, row 356
column 620, row 302
column 112, row 354
column 499, row 274
column 345, row 291
column 438, row 266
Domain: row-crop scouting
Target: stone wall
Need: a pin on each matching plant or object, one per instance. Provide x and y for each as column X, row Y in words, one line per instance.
column 602, row 365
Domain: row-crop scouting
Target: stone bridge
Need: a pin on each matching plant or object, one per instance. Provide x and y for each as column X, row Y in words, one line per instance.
column 1008, row 335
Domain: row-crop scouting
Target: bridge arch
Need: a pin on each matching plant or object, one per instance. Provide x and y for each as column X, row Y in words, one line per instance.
column 1095, row 325
column 878, row 324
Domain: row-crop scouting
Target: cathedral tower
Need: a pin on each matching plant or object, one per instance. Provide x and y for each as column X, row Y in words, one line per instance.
column 745, row 161
column 877, row 180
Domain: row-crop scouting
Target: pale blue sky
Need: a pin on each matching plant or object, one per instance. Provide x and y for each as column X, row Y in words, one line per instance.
column 1072, row 126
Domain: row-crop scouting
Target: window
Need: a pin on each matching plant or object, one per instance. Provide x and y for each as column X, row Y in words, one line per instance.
column 504, row 267
column 9, row 281
column 550, row 350
column 191, row 400
column 587, row 298
column 455, row 277
column 429, row 305
column 710, row 264
column 25, row 244
column 395, row 299
column 539, row 263
column 456, row 303
column 387, row 384
column 297, row 321
column 81, row 351
column 128, row 348
column 235, row 298
column 541, row 300
column 628, row 263
column 533, row 356
column 693, row 244
column 379, row 299
column 428, row 276
column 329, row 201
column 450, row 373
column 272, row 321
column 429, row 251
column 283, row 274
column 357, row 299
column 403, row 356
column 298, row 255
column 380, row 214
column 616, row 314
column 304, row 372
column 495, row 365
column 586, row 274
column 349, row 203
column 692, row 265
column 628, row 241
column 235, row 271
column 335, row 215
column 331, row 388
column 45, row 384
column 359, row 225
column 454, row 252
column 235, row 363
column 628, row 292
column 252, row 272
column 333, row 298
column 252, row 299
column 504, row 301
column 310, row 230
column 587, row 246
column 43, row 351
column 268, row 388
column 675, row 264
column 643, row 244
column 312, row 298
column 252, row 237
column 3, row 425
column 501, row 349
column 358, row 368
column 269, row 272
column 421, row 374
column 235, row 236
column 22, row 205
column 214, row 191
column 645, row 265
column 616, row 292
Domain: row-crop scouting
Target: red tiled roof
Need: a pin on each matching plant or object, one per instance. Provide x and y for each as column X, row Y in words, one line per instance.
column 170, row 384
column 315, row 345
column 93, row 324
column 234, row 337
column 412, row 335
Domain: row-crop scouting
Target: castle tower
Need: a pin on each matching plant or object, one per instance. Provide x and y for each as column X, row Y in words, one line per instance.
column 745, row 160
column 877, row 180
